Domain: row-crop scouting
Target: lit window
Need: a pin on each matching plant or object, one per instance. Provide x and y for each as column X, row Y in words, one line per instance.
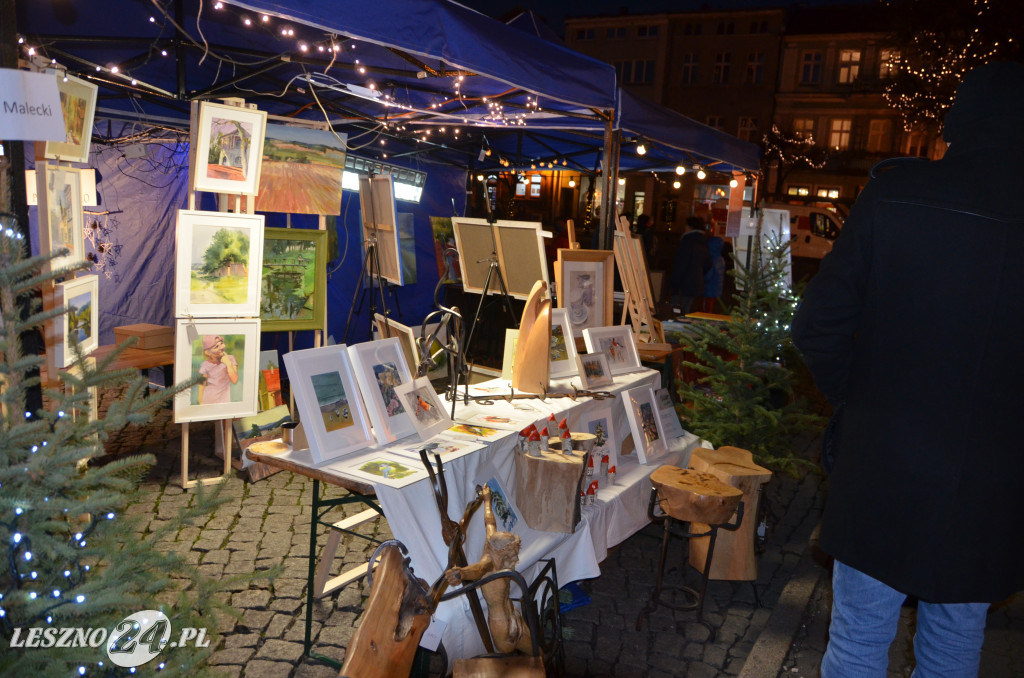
column 849, row 65
column 801, row 191
column 839, row 134
column 810, row 72
column 535, row 186
column 887, row 61
column 803, row 128
column 828, row 192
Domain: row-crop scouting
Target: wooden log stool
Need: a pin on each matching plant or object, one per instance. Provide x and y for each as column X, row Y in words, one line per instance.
column 692, row 497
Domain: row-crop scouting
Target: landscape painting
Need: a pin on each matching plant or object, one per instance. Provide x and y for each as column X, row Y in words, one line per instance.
column 302, row 171
column 230, row 141
column 78, row 104
column 293, row 280
column 262, row 427
column 80, row 317
column 63, row 216
column 332, row 400
column 215, row 274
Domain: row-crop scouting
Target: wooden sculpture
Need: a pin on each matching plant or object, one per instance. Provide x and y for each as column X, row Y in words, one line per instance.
column 693, row 496
column 501, row 552
column 531, row 369
column 549, row 489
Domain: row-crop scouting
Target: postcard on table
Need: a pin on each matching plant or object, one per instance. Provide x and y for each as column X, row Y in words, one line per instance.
column 667, row 413
column 382, row 468
column 484, row 434
column 496, row 417
column 448, row 448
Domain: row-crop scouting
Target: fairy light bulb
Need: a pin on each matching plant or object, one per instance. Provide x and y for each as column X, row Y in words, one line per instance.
column 622, row 182
column 676, row 184
column 701, row 174
column 572, row 183
column 680, row 170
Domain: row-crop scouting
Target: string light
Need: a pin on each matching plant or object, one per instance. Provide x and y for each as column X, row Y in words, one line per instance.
column 701, row 174
column 680, row 170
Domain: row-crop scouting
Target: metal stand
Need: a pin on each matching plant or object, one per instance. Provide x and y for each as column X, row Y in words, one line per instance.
column 494, row 270
column 371, row 271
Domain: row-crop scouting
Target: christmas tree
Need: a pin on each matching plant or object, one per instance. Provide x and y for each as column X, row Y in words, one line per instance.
column 745, row 395
column 72, row 557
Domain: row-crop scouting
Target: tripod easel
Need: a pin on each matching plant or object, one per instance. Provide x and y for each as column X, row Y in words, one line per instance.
column 370, row 274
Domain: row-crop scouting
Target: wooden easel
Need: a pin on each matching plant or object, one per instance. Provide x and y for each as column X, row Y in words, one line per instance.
column 636, row 285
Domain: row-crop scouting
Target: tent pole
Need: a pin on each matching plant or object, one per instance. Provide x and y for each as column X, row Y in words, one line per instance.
column 179, row 49
column 610, row 177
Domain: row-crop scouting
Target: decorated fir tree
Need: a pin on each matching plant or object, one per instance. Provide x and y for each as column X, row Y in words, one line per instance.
column 745, row 395
column 72, row 557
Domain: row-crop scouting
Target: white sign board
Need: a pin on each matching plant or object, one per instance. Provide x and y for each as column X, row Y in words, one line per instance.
column 774, row 230
column 30, row 107
column 88, row 183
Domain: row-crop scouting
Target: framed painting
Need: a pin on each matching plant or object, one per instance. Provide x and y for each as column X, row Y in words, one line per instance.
column 229, row 149
column 391, row 328
column 502, row 506
column 617, row 343
column 584, row 282
column 218, row 262
column 261, row 427
column 225, row 354
column 424, row 407
column 670, row 423
column 60, row 205
column 563, row 346
column 301, row 171
column 327, row 397
column 380, row 224
column 595, row 372
column 601, row 423
column 380, row 368
column 78, row 103
column 81, row 319
column 645, row 423
column 293, row 279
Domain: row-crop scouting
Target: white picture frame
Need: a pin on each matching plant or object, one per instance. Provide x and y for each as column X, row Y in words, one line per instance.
column 380, row 224
column 329, row 402
column 78, row 104
column 594, row 370
column 388, row 327
column 645, row 423
column 380, row 367
column 233, row 289
column 194, row 346
column 670, row 423
column 60, row 214
column 233, row 137
column 617, row 342
column 562, row 357
column 603, row 416
column 425, row 408
column 80, row 298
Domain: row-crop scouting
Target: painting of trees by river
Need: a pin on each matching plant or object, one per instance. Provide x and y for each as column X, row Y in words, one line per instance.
column 293, row 279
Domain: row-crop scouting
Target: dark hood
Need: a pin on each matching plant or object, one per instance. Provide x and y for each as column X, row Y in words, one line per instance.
column 989, row 101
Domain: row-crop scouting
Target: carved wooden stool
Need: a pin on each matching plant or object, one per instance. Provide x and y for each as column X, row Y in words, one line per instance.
column 689, row 496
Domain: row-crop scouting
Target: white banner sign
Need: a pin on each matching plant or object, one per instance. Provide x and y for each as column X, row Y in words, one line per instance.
column 88, row 182
column 30, row 107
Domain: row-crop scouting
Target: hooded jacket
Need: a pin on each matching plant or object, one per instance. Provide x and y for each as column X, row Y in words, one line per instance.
column 915, row 322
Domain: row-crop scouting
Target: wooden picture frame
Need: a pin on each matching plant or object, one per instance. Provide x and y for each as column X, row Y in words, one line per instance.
column 232, row 138
column 60, row 214
column 302, row 170
column 426, row 411
column 78, row 103
column 210, row 286
column 563, row 346
column 380, row 367
column 645, row 423
column 584, row 284
column 328, row 400
column 387, row 327
column 594, row 370
column 617, row 343
column 287, row 254
column 380, row 224
column 197, row 352
column 517, row 246
column 81, row 318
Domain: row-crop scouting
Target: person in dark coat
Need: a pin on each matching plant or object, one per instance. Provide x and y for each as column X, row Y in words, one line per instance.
column 690, row 264
column 912, row 329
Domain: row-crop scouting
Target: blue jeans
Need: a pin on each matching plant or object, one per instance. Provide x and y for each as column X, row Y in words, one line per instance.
column 865, row 615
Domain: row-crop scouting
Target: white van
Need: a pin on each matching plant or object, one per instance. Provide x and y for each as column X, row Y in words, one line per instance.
column 812, row 229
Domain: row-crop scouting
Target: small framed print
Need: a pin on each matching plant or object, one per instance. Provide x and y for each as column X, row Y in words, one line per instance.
column 484, row 434
column 327, row 397
column 502, row 506
column 617, row 343
column 595, row 372
column 229, row 149
column 583, row 279
column 563, row 346
column 80, row 321
column 217, row 272
column 446, row 447
column 225, row 353
column 645, row 423
column 670, row 423
column 78, row 103
column 60, row 214
column 382, row 468
column 424, row 407
column 601, row 423
column 380, row 368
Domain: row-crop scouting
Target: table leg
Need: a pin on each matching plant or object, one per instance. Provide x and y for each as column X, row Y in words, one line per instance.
column 313, row 520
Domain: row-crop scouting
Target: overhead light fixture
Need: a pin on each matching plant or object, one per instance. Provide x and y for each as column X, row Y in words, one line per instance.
column 733, row 183
column 622, row 181
column 680, row 170
column 701, row 174
column 572, row 183
column 676, row 184
column 641, row 147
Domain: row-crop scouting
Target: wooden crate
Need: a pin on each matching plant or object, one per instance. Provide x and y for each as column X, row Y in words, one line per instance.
column 150, row 336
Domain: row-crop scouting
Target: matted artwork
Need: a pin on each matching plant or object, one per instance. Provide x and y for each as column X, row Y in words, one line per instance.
column 645, row 423
column 261, row 427
column 380, row 224
column 293, row 280
column 424, row 408
column 601, row 423
column 78, row 103
column 382, row 468
column 219, row 256
column 302, row 170
column 563, row 346
column 484, row 434
column 501, row 504
column 584, row 287
column 670, row 423
column 617, row 343
column 595, row 372
column 517, row 247
column 225, row 355
column 493, row 417
column 327, row 397
column 60, row 208
column 80, row 321
column 380, row 368
column 229, row 149
column 446, row 447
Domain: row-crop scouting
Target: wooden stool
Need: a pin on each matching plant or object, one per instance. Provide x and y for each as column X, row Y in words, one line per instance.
column 689, row 496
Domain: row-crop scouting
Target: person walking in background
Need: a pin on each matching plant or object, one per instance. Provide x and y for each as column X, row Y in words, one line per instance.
column 690, row 264
column 714, row 279
column 924, row 495
column 645, row 229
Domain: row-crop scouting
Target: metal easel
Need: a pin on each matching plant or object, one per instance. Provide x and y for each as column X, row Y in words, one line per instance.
column 370, row 274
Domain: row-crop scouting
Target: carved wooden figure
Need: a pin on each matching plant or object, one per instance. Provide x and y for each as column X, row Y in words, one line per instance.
column 531, row 368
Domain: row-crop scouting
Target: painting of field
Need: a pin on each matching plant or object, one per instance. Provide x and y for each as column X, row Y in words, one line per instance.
column 333, row 402
column 220, row 265
column 302, row 171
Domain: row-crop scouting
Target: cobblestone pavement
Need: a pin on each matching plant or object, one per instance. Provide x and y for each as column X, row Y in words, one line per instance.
column 267, row 523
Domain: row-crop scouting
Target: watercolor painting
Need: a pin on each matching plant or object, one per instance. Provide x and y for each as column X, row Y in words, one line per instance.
column 388, row 377
column 220, row 360
column 80, row 317
column 503, row 512
column 424, row 409
column 78, row 104
column 261, row 427
column 302, row 171
column 332, row 400
column 293, row 279
column 220, row 265
column 229, row 148
column 386, row 468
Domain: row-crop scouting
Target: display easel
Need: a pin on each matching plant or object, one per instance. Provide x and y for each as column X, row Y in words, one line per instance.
column 493, row 273
column 370, row 274
column 636, row 285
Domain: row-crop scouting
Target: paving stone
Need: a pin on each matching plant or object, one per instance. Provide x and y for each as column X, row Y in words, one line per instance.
column 251, row 599
column 280, row 650
column 235, row 655
column 336, row 634
column 314, row 670
column 260, row 668
column 286, row 605
column 277, row 625
column 220, row 556
column 227, row 671
column 256, row 620
column 242, row 640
